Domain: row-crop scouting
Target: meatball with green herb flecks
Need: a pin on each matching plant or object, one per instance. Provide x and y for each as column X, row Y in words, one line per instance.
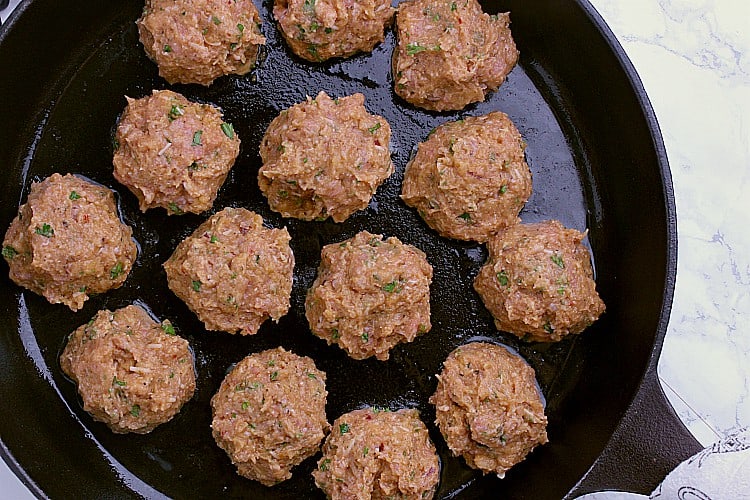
column 68, row 242
column 197, row 41
column 488, row 407
column 269, row 414
column 233, row 272
column 317, row 30
column 538, row 282
column 324, row 157
column 370, row 295
column 377, row 453
column 173, row 153
column 450, row 53
column 469, row 178
column 132, row 372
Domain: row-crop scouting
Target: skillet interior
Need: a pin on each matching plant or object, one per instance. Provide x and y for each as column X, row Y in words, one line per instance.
column 66, row 67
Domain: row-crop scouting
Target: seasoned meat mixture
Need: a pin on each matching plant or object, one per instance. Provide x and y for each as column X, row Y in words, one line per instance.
column 376, row 453
column 324, row 157
column 488, row 407
column 173, row 153
column 370, row 294
column 450, row 53
column 317, row 30
column 538, row 282
column 197, row 41
column 133, row 373
column 232, row 272
column 269, row 414
column 469, row 178
column 67, row 241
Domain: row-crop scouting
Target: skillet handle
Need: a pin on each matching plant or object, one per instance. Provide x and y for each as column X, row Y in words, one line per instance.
column 648, row 443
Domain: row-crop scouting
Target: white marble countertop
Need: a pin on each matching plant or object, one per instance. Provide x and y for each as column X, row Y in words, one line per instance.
column 693, row 57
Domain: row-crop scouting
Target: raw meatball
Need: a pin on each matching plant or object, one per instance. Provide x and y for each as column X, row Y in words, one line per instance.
column 68, row 241
column 232, row 272
column 469, row 178
column 197, row 41
column 269, row 414
column 173, row 153
column 132, row 372
column 324, row 157
column 322, row 29
column 370, row 294
column 450, row 53
column 376, row 453
column 538, row 282
column 488, row 407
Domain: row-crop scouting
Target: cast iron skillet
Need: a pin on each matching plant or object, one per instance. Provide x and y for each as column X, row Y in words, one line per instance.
column 598, row 162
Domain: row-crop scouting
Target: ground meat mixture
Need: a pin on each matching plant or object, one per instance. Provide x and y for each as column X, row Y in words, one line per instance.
column 173, row 153
column 370, row 294
column 469, row 178
column 376, row 453
column 197, row 41
column 324, row 157
column 488, row 407
column 269, row 414
column 232, row 272
column 67, row 241
column 133, row 373
column 538, row 282
column 322, row 29
column 450, row 53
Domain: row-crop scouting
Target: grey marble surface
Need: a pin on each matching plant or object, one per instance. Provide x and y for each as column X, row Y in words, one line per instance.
column 693, row 57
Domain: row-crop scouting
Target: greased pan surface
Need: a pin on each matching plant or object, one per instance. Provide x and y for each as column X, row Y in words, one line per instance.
column 597, row 163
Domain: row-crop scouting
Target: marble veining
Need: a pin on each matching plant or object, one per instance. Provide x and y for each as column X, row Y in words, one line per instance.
column 693, row 57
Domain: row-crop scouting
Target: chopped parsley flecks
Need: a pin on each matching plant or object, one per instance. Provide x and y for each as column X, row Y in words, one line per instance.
column 46, row 230
column 502, row 277
column 343, row 428
column 74, row 196
column 393, row 286
column 197, row 285
column 174, row 208
column 558, row 260
column 374, row 128
column 116, row 271
column 168, row 328
column 414, row 48
column 135, row 410
column 167, row 49
column 197, row 138
column 175, row 112
column 9, row 252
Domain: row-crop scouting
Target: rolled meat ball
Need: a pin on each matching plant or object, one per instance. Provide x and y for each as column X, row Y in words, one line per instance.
column 488, row 407
column 132, row 372
column 538, row 282
column 173, row 153
column 269, row 414
column 469, row 178
column 324, row 157
column 68, row 242
column 450, row 53
column 197, row 41
column 370, row 295
column 317, row 30
column 233, row 272
column 377, row 453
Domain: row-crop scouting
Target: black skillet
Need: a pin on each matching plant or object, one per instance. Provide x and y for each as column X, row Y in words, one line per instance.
column 598, row 162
